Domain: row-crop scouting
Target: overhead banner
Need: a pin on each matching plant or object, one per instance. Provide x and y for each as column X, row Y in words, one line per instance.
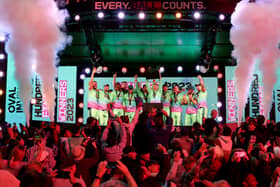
column 136, row 5
column 14, row 106
column 66, row 94
column 183, row 82
column 39, row 107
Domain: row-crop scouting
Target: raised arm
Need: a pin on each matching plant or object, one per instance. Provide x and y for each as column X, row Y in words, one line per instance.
column 92, row 74
column 135, row 119
column 92, row 77
column 201, row 83
column 114, row 79
column 160, row 82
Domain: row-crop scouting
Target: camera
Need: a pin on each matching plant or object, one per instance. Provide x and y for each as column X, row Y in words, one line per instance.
column 111, row 165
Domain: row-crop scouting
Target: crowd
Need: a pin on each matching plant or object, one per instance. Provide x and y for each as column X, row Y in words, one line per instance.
column 146, row 151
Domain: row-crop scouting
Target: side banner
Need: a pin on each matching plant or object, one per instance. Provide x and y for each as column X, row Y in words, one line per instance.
column 183, row 82
column 255, row 102
column 39, row 108
column 14, row 106
column 231, row 103
column 277, row 101
column 66, row 96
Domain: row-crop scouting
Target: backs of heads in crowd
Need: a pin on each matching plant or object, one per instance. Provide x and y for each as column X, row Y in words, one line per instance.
column 29, row 176
column 227, row 131
column 260, row 119
column 92, row 121
column 210, row 124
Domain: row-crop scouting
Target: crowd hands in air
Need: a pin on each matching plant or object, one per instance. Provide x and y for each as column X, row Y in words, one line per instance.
column 144, row 151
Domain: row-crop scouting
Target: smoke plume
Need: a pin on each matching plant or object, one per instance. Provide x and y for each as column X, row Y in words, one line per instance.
column 35, row 37
column 255, row 34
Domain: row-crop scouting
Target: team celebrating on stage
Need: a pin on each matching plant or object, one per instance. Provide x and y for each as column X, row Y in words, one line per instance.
column 123, row 100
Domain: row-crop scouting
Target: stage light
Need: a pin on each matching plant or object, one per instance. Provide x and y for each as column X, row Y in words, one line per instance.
column 82, row 76
column 142, row 70
column 105, row 69
column 2, row 37
column 33, row 101
column 121, row 15
column 81, row 91
column 100, row 15
column 196, row 15
column 141, row 15
column 159, row 15
column 2, row 74
column 216, row 68
column 124, row 70
column 219, row 104
column 220, row 90
column 220, row 119
column 2, row 56
column 33, row 67
column 178, row 15
column 220, row 75
column 77, row 17
column 1, row 111
column 80, row 120
column 222, row 17
column 179, row 69
column 81, row 105
column 87, row 70
column 1, row 92
column 197, row 68
column 161, row 69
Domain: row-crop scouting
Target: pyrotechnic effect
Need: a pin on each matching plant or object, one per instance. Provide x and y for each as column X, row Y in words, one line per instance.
column 35, row 36
column 255, row 35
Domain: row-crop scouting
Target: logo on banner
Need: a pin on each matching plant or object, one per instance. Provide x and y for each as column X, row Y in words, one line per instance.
column 66, row 105
column 40, row 107
column 231, row 101
column 254, row 100
column 14, row 102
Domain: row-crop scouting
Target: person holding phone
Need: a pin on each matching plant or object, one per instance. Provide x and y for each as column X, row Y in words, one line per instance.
column 120, row 172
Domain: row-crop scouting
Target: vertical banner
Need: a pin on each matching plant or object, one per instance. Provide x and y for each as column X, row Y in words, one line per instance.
column 14, row 106
column 39, row 108
column 231, row 102
column 255, row 102
column 66, row 96
column 277, row 101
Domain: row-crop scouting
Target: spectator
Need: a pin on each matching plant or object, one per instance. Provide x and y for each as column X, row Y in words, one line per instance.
column 113, row 140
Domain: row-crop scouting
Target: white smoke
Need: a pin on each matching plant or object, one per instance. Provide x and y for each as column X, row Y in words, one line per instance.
column 255, row 35
column 34, row 26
